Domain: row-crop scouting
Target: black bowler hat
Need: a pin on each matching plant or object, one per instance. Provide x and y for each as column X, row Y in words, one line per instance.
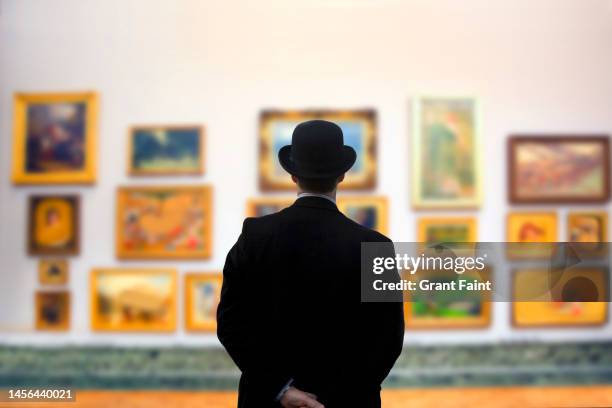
column 317, row 150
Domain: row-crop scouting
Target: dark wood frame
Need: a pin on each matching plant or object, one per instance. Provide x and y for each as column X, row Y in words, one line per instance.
column 514, row 140
column 74, row 249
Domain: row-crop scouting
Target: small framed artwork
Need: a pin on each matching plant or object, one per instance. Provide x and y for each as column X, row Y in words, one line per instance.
column 202, row 295
column 370, row 211
column 127, row 299
column 258, row 207
column 55, row 138
column 528, row 233
column 447, row 229
column 452, row 309
column 446, row 153
column 165, row 222
column 358, row 127
column 575, row 297
column 53, row 272
column 53, row 225
column 589, row 226
column 559, row 169
column 53, row 311
column 166, row 150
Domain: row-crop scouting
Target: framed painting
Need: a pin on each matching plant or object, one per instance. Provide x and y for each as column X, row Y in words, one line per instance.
column 166, row 150
column 258, row 207
column 371, row 212
column 202, row 295
column 446, row 153
column 438, row 309
column 527, row 234
column 52, row 311
column 588, row 226
column 559, row 169
column 55, row 138
column 447, row 229
column 53, row 272
column 126, row 299
column 577, row 297
column 358, row 127
column 53, row 225
column 165, row 222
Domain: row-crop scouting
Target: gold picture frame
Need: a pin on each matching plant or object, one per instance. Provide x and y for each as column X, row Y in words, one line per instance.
column 437, row 181
column 202, row 295
column 54, row 225
column 133, row 299
column 370, row 211
column 191, row 161
column 456, row 229
column 258, row 207
column 164, row 222
column 53, row 271
column 48, row 145
column 359, row 127
column 52, row 310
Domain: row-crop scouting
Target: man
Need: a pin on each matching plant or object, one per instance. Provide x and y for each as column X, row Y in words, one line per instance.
column 290, row 314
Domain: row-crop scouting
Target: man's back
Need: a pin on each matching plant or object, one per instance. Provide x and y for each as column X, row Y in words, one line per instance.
column 291, row 309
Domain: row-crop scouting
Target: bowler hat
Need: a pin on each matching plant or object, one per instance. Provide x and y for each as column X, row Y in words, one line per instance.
column 317, row 150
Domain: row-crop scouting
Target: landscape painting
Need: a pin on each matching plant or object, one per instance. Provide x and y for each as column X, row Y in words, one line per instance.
column 202, row 294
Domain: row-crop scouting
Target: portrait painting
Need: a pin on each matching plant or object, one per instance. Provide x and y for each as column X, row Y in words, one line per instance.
column 52, row 311
column 528, row 232
column 559, row 169
column 202, row 295
column 447, row 230
column 55, row 138
column 133, row 299
column 53, row 225
column 258, row 207
column 370, row 211
column 447, row 309
column 588, row 230
column 446, row 153
column 359, row 129
column 53, row 271
column 573, row 297
column 169, row 222
column 166, row 150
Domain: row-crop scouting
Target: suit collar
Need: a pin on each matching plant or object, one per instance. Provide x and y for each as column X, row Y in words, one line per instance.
column 315, row 202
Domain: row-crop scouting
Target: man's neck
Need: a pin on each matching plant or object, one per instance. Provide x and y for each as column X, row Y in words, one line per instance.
column 330, row 196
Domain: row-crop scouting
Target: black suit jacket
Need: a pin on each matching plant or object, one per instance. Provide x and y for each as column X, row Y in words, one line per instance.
column 291, row 309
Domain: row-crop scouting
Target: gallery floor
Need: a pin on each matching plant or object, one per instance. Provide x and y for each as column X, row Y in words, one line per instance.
column 588, row 396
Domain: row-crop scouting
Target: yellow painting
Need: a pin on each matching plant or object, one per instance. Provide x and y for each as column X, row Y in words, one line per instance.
column 447, row 230
column 164, row 222
column 55, row 138
column 531, row 231
column 53, row 311
column 258, row 207
column 53, row 272
column 133, row 299
column 370, row 211
column 575, row 297
column 53, row 225
column 202, row 295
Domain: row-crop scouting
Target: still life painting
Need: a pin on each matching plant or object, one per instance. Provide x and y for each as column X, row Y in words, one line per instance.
column 202, row 294
column 53, row 225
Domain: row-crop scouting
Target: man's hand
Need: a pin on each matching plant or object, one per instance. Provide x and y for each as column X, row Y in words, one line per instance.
column 295, row 398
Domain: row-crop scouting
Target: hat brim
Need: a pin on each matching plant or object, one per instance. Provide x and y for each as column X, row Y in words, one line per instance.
column 342, row 165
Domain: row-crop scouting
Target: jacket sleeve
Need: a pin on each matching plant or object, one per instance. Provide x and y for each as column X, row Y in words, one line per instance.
column 258, row 358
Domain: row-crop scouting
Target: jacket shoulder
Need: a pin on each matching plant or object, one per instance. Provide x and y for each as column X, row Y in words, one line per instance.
column 366, row 234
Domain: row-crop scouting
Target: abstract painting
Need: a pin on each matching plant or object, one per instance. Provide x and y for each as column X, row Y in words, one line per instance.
column 53, row 225
column 202, row 294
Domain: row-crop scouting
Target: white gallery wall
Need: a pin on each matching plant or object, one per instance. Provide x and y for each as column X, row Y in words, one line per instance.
column 538, row 66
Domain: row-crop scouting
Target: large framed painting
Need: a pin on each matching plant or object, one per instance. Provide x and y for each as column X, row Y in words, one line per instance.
column 52, row 310
column 559, row 169
column 370, row 211
column 577, row 297
column 164, row 222
column 359, row 129
column 53, row 225
column 55, row 138
column 447, row 230
column 202, row 295
column 440, row 309
column 53, row 272
column 258, row 207
column 127, row 299
column 166, row 150
column 446, row 150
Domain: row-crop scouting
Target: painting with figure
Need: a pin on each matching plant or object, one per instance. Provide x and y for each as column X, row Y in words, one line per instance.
column 169, row 222
column 358, row 127
column 202, row 294
column 54, row 138
column 166, row 150
column 127, row 299
column 370, row 211
column 528, row 232
column 559, row 169
column 446, row 153
column 53, row 225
